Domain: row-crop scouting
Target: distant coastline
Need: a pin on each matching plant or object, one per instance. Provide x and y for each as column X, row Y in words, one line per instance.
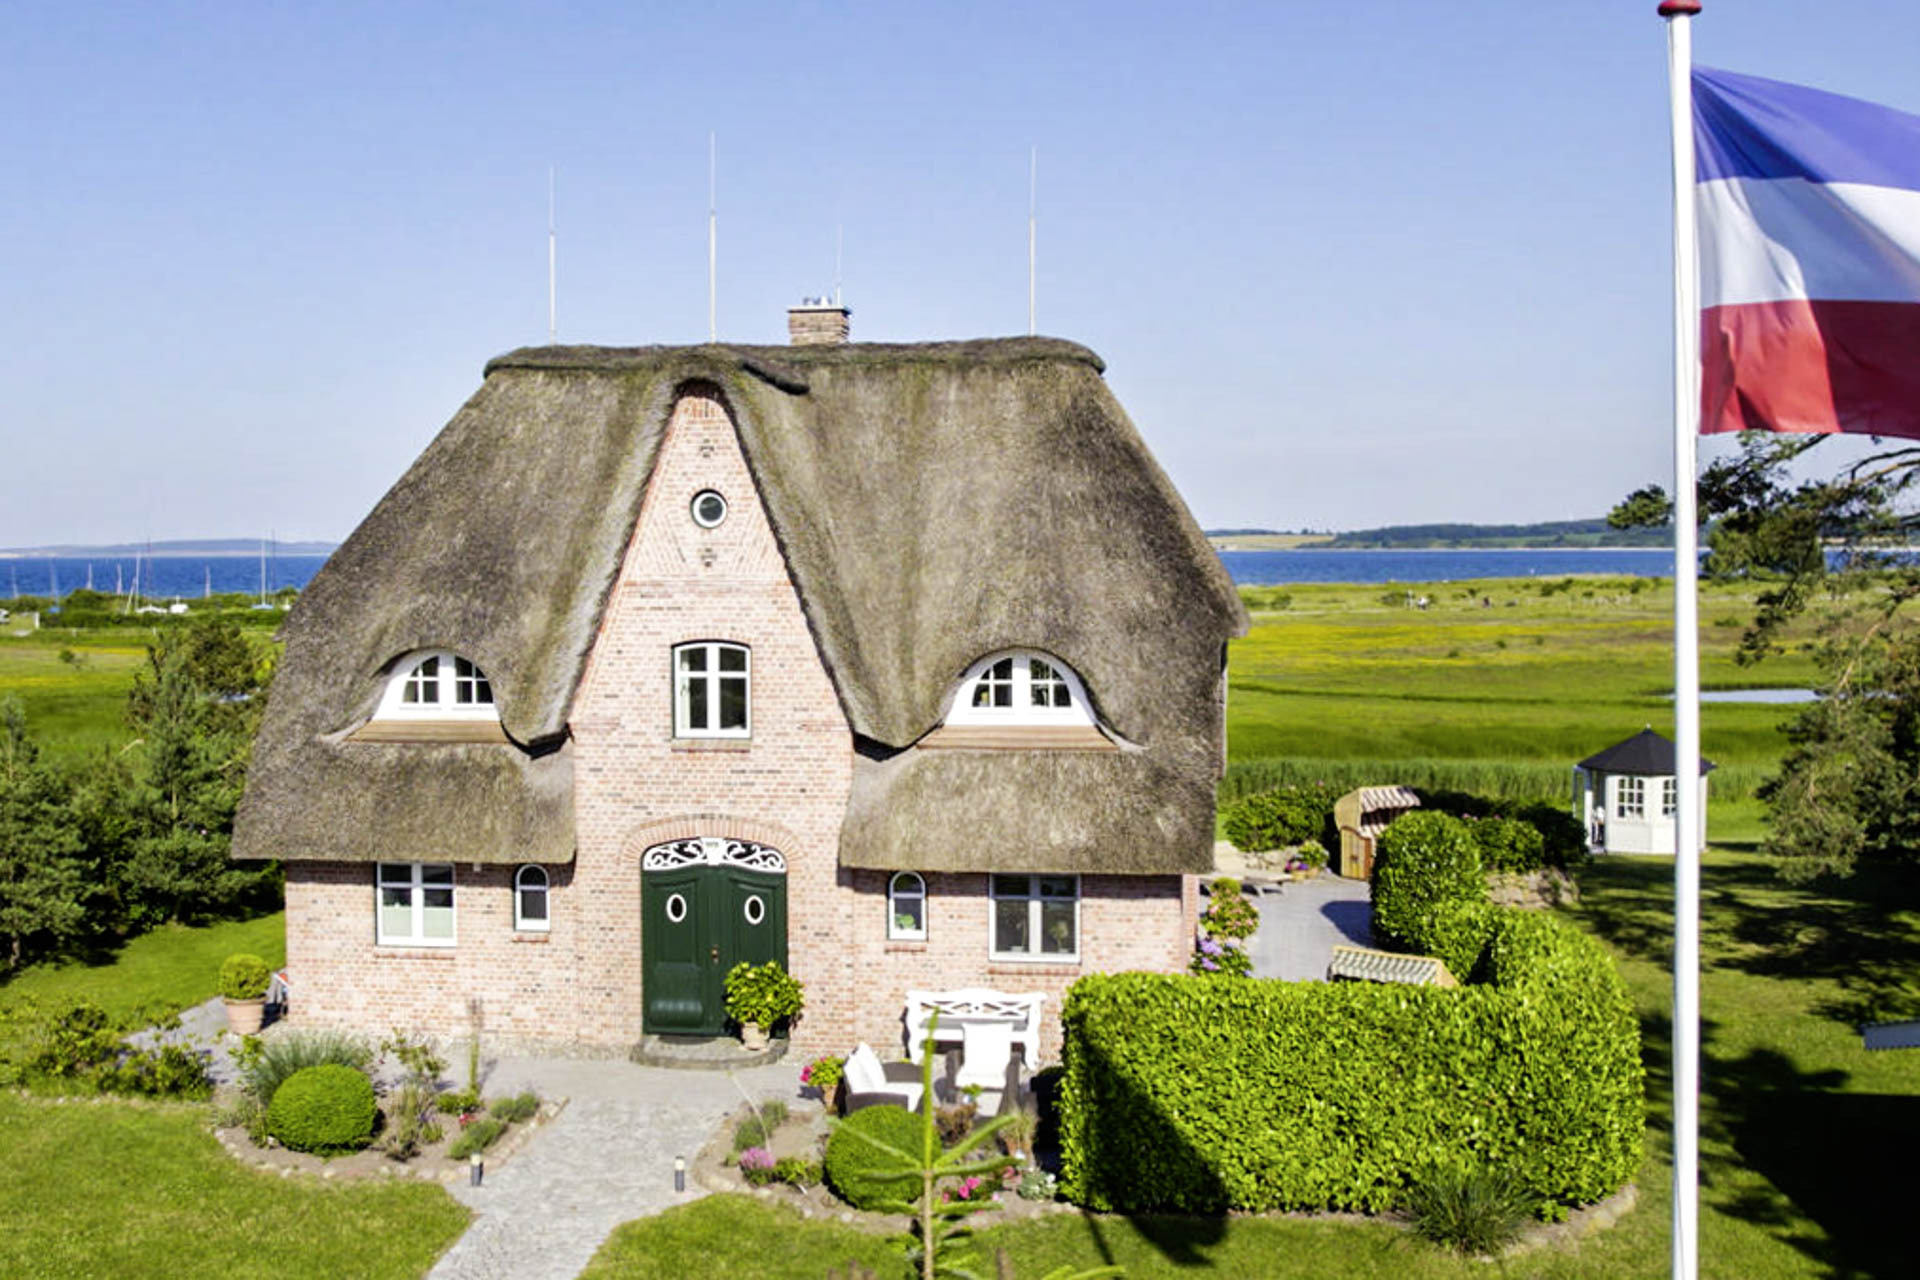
column 1556, row 535
column 198, row 548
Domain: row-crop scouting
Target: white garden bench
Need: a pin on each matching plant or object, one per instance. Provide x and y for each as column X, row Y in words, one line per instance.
column 987, row 1025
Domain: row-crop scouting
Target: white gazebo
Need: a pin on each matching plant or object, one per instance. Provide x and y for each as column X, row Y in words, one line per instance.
column 1627, row 795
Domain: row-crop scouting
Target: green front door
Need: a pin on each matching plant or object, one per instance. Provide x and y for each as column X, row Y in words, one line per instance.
column 706, row 905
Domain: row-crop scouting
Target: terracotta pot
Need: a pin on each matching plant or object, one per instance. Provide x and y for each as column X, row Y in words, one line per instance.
column 836, row 1099
column 752, row 1037
column 245, row 1016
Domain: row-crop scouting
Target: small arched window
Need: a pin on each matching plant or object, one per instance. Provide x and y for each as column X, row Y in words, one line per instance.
column 438, row 686
column 907, row 907
column 531, row 912
column 1020, row 688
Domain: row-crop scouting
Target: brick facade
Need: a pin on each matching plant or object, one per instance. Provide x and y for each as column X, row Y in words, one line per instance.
column 636, row 786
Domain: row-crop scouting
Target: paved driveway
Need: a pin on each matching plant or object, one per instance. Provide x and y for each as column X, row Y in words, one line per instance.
column 1301, row 924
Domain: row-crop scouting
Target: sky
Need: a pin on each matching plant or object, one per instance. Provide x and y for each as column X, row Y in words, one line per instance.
column 1348, row 264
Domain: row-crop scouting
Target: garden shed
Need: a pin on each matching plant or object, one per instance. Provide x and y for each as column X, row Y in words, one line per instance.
column 1627, row 795
column 1361, row 815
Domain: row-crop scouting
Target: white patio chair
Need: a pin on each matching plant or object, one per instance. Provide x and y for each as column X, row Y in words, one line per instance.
column 870, row 1081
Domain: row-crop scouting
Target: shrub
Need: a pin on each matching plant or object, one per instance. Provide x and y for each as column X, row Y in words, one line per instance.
column 1426, row 882
column 755, row 1129
column 763, row 995
column 796, row 1171
column 1229, row 913
column 1475, row 1211
column 1210, row 955
column 244, row 977
column 1184, row 1094
column 476, row 1137
column 458, row 1102
column 1563, row 839
column 1508, row 844
column 328, row 1108
column 264, row 1065
column 850, row 1162
column 169, row 1071
column 1037, row 1184
column 519, row 1108
column 74, row 1041
column 1277, row 818
column 1311, row 853
column 955, row 1121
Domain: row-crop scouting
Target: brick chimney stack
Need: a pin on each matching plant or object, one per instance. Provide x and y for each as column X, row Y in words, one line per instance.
column 818, row 322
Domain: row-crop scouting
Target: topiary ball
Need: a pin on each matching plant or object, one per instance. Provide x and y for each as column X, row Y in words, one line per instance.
column 851, row 1162
column 244, row 977
column 326, row 1108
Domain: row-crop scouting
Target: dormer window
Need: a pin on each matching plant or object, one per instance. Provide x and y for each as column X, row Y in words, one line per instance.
column 438, row 686
column 1020, row 688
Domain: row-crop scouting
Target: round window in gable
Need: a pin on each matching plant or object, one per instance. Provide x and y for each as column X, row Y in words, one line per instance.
column 709, row 508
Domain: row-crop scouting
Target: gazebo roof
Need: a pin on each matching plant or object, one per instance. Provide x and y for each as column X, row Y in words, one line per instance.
column 1646, row 752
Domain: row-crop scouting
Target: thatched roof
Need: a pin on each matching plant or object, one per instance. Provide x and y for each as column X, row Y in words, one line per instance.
column 911, row 558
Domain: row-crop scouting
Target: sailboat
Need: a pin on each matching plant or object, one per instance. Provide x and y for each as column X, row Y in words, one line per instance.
column 263, row 579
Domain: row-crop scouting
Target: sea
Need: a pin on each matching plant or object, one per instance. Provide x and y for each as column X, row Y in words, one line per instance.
column 189, row 576
column 161, row 577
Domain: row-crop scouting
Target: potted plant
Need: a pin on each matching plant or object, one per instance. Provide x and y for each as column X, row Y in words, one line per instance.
column 243, row 984
column 828, row 1076
column 759, row 997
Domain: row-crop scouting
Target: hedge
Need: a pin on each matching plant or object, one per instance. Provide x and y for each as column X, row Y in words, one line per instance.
column 851, row 1162
column 325, row 1109
column 1278, row 818
column 1197, row 1095
column 1429, row 891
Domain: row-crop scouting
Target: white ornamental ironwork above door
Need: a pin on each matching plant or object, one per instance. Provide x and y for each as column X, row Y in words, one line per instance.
column 712, row 851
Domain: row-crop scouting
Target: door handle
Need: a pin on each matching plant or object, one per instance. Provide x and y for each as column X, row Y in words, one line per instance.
column 715, row 951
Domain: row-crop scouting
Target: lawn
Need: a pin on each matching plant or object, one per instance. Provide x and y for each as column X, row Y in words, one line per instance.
column 1350, row 683
column 76, row 702
column 122, row 1190
column 115, row 1188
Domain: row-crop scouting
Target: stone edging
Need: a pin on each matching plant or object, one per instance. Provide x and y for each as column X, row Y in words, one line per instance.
column 516, row 1137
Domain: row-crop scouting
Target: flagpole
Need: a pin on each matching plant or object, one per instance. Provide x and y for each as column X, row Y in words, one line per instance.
column 1687, row 827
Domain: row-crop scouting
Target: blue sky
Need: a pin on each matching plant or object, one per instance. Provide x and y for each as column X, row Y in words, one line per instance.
column 1349, row 264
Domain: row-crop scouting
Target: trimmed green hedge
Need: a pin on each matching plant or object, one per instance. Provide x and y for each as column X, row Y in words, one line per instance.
column 324, row 1109
column 1429, row 891
column 1192, row 1094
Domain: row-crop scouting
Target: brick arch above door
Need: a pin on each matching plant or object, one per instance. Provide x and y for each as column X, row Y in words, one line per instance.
column 693, row 825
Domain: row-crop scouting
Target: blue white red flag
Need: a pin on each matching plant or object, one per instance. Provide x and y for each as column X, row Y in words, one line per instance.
column 1809, row 214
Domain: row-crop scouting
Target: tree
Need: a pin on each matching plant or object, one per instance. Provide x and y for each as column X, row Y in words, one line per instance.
column 1831, row 548
column 195, row 709
column 40, row 868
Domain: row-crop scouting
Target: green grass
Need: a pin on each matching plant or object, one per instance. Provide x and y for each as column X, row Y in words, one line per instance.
column 75, row 706
column 172, row 967
column 127, row 1191
column 1503, row 698
column 110, row 1188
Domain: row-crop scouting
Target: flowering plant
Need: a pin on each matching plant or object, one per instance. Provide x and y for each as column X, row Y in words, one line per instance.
column 972, row 1188
column 824, row 1073
column 1210, row 955
column 756, row 1165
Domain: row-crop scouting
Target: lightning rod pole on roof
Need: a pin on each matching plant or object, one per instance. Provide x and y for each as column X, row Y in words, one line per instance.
column 1033, row 197
column 552, row 266
column 713, row 243
column 838, row 244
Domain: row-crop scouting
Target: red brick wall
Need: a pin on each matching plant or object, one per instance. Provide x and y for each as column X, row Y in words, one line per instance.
column 637, row 786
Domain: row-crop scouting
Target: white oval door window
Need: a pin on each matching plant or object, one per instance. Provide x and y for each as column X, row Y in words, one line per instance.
column 755, row 909
column 676, row 908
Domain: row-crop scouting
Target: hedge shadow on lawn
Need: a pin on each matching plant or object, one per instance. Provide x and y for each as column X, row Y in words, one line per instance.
column 1180, row 1239
column 1842, row 1159
column 1354, row 920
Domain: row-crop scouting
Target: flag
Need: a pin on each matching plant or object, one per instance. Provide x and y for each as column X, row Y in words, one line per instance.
column 1808, row 207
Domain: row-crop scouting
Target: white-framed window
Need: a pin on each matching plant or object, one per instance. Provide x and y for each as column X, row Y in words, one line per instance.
column 1630, row 797
column 710, row 690
column 1035, row 917
column 1020, row 688
column 437, row 686
column 907, row 907
column 413, row 904
column 531, row 913
column 1669, row 797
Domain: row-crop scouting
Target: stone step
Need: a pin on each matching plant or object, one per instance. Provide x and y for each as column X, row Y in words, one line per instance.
column 704, row 1053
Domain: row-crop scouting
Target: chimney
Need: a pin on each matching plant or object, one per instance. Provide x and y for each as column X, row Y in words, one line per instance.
column 818, row 322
